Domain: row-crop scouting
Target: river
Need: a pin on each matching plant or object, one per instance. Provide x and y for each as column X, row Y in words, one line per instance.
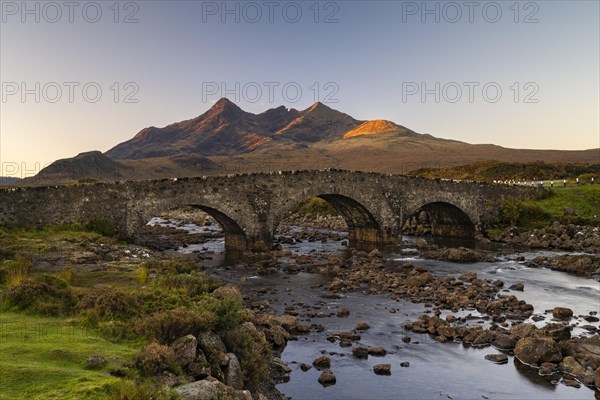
column 437, row 370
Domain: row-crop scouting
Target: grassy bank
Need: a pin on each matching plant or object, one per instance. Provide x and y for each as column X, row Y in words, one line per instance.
column 45, row 358
column 68, row 294
column 571, row 204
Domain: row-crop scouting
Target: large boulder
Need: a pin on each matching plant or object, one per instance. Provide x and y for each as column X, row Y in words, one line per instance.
column 185, row 350
column 537, row 350
column 585, row 351
column 215, row 351
column 211, row 389
column 233, row 373
column 504, row 342
column 562, row 313
column 555, row 331
column 570, row 366
column 523, row 330
column 327, row 378
column 322, row 362
column 200, row 390
column 228, row 292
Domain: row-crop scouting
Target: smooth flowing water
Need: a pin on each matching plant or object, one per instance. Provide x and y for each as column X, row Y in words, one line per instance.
column 437, row 370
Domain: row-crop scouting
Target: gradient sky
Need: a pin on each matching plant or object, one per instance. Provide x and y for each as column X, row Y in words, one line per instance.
column 369, row 53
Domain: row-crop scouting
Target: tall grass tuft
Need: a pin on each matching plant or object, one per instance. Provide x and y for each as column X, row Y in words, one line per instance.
column 68, row 275
column 142, row 274
column 15, row 272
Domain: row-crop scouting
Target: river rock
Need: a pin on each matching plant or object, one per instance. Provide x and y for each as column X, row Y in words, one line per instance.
column 382, row 369
column 419, row 280
column 362, row 326
column 277, row 336
column 537, row 350
column 548, row 369
column 571, row 383
column 343, row 312
column 327, row 378
column 322, row 362
column 185, row 350
column 562, row 313
column 305, row 367
column 597, row 378
column 504, row 342
column 497, row 358
column 377, row 351
column 360, row 352
column 555, row 331
column 524, row 330
column 517, row 286
column 585, row 350
column 570, row 366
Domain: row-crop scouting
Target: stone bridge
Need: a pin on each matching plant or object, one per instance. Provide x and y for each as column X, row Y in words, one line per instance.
column 250, row 207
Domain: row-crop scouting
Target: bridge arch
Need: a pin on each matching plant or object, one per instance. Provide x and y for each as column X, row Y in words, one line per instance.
column 364, row 225
column 447, row 219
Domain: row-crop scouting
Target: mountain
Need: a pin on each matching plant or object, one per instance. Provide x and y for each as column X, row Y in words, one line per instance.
column 227, row 139
column 225, row 129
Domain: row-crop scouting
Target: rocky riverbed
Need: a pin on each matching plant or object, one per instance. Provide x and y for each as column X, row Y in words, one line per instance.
column 333, row 314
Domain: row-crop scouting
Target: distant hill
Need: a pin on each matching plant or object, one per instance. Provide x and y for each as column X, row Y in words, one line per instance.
column 8, row 180
column 227, row 139
column 95, row 166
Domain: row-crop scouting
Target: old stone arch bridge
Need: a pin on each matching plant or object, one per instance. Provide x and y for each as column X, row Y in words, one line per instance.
column 250, row 207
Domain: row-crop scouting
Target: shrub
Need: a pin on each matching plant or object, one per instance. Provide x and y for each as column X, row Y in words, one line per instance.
column 110, row 304
column 171, row 266
column 227, row 312
column 129, row 390
column 167, row 326
column 45, row 295
column 156, row 358
column 192, row 284
column 253, row 351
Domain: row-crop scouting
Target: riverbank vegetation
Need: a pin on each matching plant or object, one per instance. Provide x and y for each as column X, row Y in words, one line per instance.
column 81, row 317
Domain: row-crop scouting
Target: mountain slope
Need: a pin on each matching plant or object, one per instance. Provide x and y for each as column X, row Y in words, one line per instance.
column 89, row 165
column 225, row 129
column 317, row 123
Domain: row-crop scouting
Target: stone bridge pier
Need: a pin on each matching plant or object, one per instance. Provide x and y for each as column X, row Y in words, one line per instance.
column 250, row 207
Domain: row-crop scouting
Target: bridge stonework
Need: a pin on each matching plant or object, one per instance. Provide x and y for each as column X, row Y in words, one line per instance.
column 250, row 207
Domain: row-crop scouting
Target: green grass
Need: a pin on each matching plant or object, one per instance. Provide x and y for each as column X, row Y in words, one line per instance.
column 584, row 200
column 582, row 204
column 44, row 358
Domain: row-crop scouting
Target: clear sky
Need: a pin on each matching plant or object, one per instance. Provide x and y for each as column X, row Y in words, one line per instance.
column 517, row 74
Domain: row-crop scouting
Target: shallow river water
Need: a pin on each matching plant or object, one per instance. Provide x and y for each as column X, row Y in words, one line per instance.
column 437, row 370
